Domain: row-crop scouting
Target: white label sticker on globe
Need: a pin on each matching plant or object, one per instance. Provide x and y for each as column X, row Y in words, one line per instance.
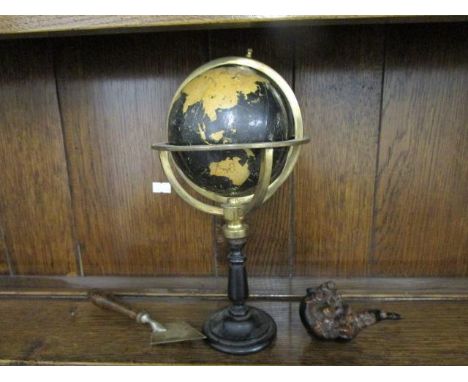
column 161, row 188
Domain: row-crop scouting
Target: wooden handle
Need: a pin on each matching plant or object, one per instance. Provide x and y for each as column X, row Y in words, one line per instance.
column 107, row 301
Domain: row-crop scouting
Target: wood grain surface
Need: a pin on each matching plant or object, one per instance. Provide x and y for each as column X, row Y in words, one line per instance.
column 77, row 332
column 422, row 190
column 362, row 201
column 338, row 84
column 35, row 211
column 268, row 248
column 80, row 24
column 114, row 95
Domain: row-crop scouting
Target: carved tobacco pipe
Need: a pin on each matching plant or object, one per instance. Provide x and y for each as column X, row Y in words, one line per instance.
column 325, row 316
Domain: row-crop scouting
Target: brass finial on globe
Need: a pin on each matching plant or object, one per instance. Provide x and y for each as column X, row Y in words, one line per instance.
column 235, row 129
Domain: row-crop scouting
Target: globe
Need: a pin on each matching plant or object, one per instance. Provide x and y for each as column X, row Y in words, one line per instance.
column 242, row 103
column 223, row 105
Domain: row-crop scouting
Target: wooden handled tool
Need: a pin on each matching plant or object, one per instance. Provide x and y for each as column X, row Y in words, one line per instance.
column 170, row 332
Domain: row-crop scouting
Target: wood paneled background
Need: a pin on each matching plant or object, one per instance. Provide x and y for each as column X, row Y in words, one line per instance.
column 381, row 190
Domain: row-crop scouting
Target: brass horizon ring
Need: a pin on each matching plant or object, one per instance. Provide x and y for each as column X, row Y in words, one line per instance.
column 229, row 146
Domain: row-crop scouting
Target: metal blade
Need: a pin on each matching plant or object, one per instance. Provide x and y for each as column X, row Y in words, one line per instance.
column 176, row 332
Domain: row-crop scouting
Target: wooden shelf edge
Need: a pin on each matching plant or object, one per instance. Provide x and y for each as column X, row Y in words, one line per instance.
column 26, row 26
column 267, row 288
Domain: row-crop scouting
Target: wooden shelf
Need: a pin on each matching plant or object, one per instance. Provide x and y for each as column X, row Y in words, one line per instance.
column 72, row 25
column 47, row 320
column 76, row 332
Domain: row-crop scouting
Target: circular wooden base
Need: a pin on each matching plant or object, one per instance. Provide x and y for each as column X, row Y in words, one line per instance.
column 244, row 334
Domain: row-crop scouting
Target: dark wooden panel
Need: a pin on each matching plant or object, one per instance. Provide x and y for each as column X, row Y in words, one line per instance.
column 115, row 93
column 422, row 195
column 338, row 84
column 268, row 248
column 431, row 333
column 34, row 195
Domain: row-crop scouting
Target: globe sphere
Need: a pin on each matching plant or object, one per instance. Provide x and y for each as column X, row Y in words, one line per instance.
column 223, row 105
